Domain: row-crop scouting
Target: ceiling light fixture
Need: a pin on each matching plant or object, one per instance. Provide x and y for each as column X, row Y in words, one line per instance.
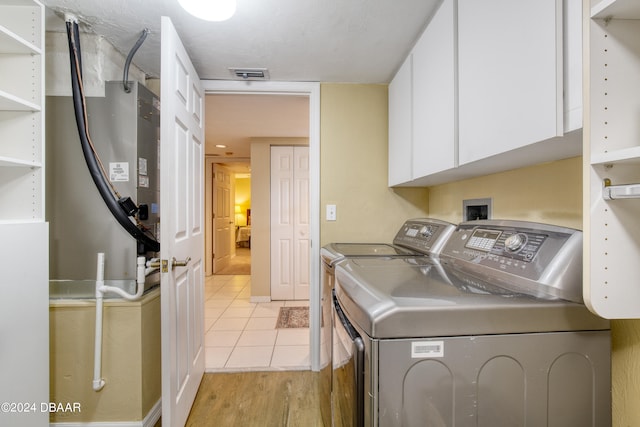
column 221, row 146
column 210, row 10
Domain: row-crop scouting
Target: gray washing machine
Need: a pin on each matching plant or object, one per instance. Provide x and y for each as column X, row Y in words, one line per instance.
column 416, row 238
column 495, row 334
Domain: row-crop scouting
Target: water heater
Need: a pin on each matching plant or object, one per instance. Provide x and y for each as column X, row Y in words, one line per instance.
column 125, row 131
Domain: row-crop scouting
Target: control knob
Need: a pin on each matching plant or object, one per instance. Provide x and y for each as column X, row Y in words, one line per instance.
column 515, row 242
column 426, row 231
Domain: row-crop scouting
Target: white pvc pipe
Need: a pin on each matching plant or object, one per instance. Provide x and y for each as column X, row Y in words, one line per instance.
column 98, row 382
column 101, row 289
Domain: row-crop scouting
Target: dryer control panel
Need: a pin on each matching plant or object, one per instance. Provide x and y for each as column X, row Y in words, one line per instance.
column 531, row 258
column 425, row 235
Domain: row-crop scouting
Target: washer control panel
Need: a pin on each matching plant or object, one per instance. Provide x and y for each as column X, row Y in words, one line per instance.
column 425, row 235
column 514, row 244
column 521, row 256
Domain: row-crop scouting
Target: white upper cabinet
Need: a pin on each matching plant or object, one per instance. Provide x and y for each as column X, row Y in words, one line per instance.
column 422, row 104
column 495, row 85
column 510, row 75
column 400, row 123
column 434, row 95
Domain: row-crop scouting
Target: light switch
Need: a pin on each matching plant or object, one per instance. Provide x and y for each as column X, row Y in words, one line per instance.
column 331, row 212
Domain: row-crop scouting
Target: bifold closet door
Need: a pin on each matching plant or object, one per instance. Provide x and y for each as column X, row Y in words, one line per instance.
column 289, row 223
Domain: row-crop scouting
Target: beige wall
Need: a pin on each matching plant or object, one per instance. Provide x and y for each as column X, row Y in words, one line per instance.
column 549, row 193
column 130, row 363
column 353, row 167
column 625, row 372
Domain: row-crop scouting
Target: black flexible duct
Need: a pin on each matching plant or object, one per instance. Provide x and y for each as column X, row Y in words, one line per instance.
column 127, row 63
column 94, row 169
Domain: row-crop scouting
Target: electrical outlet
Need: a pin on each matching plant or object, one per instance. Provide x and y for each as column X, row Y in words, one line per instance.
column 331, row 212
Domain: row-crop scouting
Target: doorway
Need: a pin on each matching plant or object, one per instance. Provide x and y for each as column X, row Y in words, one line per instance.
column 312, row 93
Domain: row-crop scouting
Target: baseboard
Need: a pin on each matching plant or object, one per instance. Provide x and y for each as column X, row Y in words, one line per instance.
column 149, row 421
column 260, row 299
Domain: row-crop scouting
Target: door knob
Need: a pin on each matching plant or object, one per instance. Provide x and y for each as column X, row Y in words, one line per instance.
column 175, row 263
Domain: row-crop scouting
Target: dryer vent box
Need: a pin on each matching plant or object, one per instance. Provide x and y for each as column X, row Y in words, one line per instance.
column 473, row 209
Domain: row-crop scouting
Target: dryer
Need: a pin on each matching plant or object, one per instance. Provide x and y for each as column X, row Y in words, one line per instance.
column 494, row 334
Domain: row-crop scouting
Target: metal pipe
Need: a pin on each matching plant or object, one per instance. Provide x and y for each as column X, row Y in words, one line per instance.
column 127, row 64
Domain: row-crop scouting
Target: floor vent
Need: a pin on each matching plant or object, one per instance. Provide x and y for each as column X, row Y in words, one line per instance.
column 250, row 73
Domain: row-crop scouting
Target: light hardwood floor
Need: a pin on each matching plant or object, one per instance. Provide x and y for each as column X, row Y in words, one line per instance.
column 273, row 399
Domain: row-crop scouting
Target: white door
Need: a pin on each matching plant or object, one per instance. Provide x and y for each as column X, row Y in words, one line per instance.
column 222, row 219
column 290, row 242
column 182, row 228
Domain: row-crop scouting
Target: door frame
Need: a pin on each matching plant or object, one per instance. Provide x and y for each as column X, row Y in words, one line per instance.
column 312, row 90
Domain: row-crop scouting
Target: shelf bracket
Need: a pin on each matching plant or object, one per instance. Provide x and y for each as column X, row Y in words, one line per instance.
column 614, row 192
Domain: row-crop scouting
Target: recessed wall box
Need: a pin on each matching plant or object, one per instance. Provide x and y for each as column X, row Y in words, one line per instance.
column 473, row 209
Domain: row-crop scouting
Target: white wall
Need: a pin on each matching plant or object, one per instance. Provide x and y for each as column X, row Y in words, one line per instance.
column 100, row 63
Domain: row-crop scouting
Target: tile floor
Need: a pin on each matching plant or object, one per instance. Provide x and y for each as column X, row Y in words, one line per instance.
column 241, row 335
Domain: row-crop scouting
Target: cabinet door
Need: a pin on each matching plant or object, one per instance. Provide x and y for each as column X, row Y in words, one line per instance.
column 24, row 319
column 510, row 75
column 400, row 120
column 434, row 100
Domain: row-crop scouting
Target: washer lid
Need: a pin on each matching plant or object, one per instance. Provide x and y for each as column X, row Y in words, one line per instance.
column 335, row 252
column 414, row 297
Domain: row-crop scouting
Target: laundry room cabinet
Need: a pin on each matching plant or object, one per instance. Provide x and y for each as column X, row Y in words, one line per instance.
column 422, row 103
column 612, row 159
column 494, row 85
column 400, row 124
column 509, row 75
column 24, row 260
column 434, row 100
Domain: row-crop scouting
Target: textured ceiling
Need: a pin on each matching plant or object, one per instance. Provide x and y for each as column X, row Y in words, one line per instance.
column 346, row 41
column 361, row 41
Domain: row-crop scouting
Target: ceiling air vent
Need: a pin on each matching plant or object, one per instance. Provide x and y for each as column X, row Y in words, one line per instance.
column 250, row 73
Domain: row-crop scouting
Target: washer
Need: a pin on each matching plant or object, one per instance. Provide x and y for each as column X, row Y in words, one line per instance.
column 416, row 238
column 495, row 334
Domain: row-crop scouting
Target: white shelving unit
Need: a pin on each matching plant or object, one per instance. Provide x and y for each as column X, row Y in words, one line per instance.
column 21, row 111
column 24, row 235
column 612, row 156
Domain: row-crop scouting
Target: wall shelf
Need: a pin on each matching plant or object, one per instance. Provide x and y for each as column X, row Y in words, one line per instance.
column 21, row 111
column 24, row 232
column 619, row 9
column 11, row 162
column 12, row 43
column 626, row 155
column 10, row 102
column 612, row 156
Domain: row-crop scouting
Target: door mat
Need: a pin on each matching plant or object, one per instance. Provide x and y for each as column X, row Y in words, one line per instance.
column 293, row 317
